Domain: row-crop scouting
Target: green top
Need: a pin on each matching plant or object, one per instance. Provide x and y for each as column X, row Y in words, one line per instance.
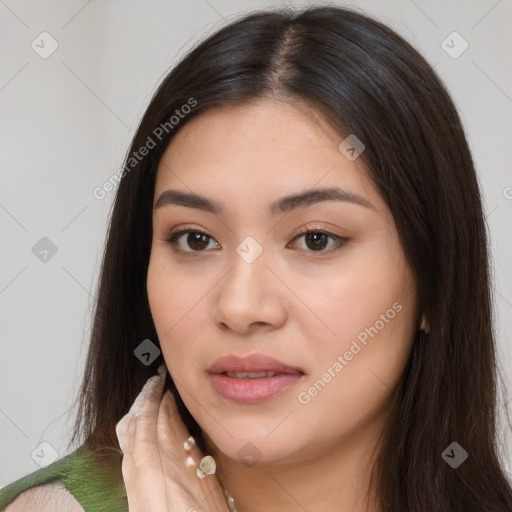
column 94, row 484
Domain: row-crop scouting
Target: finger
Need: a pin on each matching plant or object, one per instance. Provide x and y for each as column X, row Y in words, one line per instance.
column 141, row 467
column 179, row 479
column 172, row 434
column 148, row 400
column 144, row 413
column 146, row 403
column 143, row 441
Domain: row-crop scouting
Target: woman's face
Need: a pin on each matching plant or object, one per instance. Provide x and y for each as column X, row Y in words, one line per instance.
column 338, row 311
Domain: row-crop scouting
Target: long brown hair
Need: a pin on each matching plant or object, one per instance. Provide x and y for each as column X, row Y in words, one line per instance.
column 364, row 79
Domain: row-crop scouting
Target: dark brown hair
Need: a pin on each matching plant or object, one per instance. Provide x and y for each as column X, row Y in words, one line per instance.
column 364, row 79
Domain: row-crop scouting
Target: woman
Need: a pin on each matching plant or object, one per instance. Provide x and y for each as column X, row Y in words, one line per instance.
column 324, row 343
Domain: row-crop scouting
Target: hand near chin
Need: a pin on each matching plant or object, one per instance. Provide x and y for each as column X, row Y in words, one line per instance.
column 157, row 479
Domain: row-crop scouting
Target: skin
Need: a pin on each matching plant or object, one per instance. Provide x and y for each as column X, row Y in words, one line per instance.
column 151, row 437
column 300, row 306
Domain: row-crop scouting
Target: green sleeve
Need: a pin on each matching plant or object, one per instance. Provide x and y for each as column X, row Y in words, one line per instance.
column 96, row 486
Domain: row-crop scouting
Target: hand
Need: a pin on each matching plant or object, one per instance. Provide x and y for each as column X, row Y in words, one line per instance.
column 157, row 479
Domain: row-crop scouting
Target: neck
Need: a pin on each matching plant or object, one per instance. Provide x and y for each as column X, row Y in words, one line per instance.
column 327, row 479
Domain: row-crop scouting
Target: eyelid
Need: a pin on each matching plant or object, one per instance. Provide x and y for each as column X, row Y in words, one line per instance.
column 299, row 231
column 317, row 227
column 186, row 227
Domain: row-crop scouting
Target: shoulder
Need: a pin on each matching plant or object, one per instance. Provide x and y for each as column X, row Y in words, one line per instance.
column 85, row 479
column 49, row 497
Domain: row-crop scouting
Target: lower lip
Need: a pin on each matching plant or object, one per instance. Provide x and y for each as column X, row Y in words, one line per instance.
column 252, row 391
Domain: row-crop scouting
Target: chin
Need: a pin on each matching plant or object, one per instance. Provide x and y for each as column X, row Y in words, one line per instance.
column 250, row 447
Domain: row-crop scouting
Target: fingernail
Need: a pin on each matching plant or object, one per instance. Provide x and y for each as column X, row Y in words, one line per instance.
column 207, row 465
column 162, row 370
column 189, row 443
column 120, row 425
column 119, row 433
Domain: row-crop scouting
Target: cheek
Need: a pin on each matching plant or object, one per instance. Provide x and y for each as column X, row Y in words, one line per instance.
column 372, row 295
column 174, row 302
column 369, row 318
column 170, row 294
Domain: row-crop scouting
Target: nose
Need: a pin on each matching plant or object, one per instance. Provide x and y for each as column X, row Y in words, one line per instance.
column 250, row 298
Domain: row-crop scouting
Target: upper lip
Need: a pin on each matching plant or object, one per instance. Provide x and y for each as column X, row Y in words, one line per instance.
column 251, row 363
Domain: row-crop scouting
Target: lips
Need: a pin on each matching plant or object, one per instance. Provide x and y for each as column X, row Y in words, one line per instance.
column 253, row 363
column 252, row 379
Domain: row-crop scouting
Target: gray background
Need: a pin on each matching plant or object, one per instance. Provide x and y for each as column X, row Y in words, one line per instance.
column 66, row 122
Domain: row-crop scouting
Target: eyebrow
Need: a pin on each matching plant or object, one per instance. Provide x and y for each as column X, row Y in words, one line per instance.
column 283, row 205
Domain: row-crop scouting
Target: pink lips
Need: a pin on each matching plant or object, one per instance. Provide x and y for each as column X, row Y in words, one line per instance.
column 252, row 390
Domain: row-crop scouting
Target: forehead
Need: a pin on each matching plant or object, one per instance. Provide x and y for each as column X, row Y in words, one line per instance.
column 263, row 129
column 258, row 147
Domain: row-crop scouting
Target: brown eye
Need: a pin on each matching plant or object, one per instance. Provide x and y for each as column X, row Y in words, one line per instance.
column 195, row 240
column 318, row 240
column 198, row 241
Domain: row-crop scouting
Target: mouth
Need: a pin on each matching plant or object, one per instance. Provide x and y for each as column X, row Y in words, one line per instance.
column 251, row 375
column 252, row 379
column 251, row 364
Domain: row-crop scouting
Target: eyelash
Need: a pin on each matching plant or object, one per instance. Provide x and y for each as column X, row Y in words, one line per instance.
column 173, row 237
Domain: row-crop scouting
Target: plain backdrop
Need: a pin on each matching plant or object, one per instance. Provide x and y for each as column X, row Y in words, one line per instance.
column 67, row 119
